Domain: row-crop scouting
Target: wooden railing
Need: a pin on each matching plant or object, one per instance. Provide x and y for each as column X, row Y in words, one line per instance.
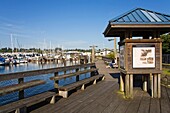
column 21, row 75
column 68, row 71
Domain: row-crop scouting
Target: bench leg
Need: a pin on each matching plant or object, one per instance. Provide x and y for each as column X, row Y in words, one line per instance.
column 52, row 100
column 103, row 77
column 94, row 81
column 21, row 110
column 64, row 94
column 83, row 87
column 17, row 110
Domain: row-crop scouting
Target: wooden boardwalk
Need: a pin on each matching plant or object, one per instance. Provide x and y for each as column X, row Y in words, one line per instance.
column 105, row 97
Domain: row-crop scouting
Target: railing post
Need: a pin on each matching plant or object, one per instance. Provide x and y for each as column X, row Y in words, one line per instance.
column 56, row 82
column 21, row 92
column 93, row 72
column 77, row 77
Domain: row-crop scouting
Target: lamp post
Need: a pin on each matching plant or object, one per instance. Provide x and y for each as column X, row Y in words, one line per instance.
column 93, row 52
column 115, row 48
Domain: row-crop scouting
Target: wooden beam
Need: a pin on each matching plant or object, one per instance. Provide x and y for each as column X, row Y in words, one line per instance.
column 155, row 86
column 127, row 86
column 121, row 87
column 159, row 85
column 151, row 84
column 21, row 92
column 131, row 86
column 18, row 87
column 56, row 84
column 145, row 83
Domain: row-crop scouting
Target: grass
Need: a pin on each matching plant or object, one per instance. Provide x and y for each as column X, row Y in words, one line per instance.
column 166, row 71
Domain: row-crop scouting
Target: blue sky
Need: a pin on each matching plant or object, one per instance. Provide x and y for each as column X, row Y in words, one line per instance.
column 64, row 23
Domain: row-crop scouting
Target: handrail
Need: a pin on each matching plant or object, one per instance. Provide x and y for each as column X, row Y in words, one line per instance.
column 18, row 75
column 72, row 74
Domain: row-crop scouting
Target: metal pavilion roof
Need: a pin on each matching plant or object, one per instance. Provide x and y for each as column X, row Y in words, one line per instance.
column 141, row 16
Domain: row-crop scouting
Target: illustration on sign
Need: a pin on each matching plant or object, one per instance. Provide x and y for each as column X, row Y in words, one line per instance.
column 143, row 57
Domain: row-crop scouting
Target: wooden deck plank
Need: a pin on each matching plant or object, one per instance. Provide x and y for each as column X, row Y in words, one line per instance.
column 164, row 101
column 112, row 103
column 88, row 98
column 134, row 105
column 145, row 103
column 124, row 104
column 63, row 103
column 99, row 103
column 154, row 106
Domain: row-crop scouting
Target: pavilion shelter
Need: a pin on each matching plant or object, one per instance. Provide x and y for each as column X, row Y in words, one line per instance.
column 140, row 48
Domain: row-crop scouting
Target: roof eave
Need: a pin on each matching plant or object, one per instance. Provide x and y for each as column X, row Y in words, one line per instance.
column 140, row 25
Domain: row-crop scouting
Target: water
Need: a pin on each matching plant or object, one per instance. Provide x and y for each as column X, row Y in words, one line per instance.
column 37, row 89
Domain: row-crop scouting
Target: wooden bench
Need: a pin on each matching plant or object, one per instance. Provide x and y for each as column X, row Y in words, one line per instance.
column 63, row 91
column 20, row 106
column 73, row 74
column 19, row 87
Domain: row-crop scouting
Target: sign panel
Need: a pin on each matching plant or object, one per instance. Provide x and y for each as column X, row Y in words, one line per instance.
column 143, row 57
column 121, row 57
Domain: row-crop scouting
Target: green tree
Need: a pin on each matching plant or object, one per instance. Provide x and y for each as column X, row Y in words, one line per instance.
column 165, row 44
column 111, row 55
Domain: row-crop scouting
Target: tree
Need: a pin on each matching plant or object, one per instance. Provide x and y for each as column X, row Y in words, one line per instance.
column 111, row 55
column 165, row 44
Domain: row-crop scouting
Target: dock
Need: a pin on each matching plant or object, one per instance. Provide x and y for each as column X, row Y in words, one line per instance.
column 104, row 97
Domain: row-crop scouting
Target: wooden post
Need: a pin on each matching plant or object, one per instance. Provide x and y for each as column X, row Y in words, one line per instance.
column 155, row 88
column 127, row 85
column 148, row 83
column 56, row 84
column 131, row 86
column 77, row 77
column 159, row 85
column 151, row 84
column 144, row 83
column 121, row 82
column 93, row 53
column 93, row 72
column 21, row 92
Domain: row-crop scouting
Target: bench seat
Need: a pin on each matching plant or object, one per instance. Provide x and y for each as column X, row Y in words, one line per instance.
column 63, row 91
column 24, row 103
column 19, row 87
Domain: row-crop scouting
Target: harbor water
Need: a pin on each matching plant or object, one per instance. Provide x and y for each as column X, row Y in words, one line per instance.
column 37, row 89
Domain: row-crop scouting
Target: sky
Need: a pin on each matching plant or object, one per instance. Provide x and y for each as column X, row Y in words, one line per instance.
column 68, row 24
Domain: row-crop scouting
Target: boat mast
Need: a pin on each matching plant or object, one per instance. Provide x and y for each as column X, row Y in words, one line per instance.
column 12, row 46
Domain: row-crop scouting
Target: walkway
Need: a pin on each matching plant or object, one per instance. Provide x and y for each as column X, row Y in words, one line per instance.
column 105, row 97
